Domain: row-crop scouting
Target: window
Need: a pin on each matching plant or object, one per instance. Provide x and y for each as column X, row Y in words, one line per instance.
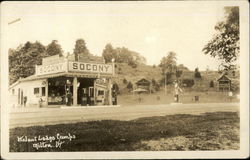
column 36, row 90
column 13, row 91
column 43, row 91
column 100, row 92
column 19, row 96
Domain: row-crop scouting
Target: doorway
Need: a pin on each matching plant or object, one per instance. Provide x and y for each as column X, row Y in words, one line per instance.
column 85, row 91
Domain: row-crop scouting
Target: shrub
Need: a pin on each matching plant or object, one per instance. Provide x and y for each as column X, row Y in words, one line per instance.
column 130, row 86
column 132, row 64
column 125, row 81
column 188, row 82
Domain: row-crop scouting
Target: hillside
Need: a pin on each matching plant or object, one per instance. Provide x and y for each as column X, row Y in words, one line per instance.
column 125, row 71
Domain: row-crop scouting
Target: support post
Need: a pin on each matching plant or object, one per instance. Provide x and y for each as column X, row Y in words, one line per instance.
column 75, row 91
column 110, row 91
column 47, row 92
column 165, row 83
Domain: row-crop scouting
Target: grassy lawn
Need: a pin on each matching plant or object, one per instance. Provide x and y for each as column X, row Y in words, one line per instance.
column 210, row 131
column 185, row 97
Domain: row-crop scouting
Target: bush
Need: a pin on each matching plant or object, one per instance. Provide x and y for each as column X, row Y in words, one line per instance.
column 132, row 64
column 130, row 86
column 235, row 86
column 125, row 81
column 188, row 82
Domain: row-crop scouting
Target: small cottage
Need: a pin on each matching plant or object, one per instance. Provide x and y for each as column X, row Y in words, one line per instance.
column 224, row 83
column 143, row 84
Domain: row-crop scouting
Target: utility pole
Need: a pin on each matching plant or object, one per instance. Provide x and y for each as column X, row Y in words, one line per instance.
column 165, row 76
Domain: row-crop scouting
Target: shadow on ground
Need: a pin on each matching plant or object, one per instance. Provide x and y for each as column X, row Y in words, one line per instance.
column 209, row 131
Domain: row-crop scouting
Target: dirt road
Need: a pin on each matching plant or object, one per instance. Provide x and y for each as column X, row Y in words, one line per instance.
column 49, row 116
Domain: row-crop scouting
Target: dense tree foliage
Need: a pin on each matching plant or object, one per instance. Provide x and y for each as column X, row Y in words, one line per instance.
column 168, row 63
column 168, row 66
column 54, row 48
column 122, row 55
column 109, row 53
column 182, row 67
column 178, row 73
column 22, row 60
column 225, row 44
column 155, row 85
column 197, row 73
column 80, row 49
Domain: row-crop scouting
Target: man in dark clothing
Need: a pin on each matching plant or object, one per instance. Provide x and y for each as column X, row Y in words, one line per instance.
column 25, row 100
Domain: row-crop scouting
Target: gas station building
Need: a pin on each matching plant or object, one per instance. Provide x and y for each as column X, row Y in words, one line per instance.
column 64, row 81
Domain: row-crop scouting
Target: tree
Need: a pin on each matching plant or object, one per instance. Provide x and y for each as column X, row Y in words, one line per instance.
column 188, row 82
column 155, row 85
column 153, row 82
column 178, row 73
column 182, row 67
column 130, row 86
column 132, row 64
column 122, row 55
column 225, row 44
column 197, row 74
column 22, row 60
column 54, row 48
column 80, row 49
column 168, row 63
column 109, row 53
column 125, row 81
column 168, row 67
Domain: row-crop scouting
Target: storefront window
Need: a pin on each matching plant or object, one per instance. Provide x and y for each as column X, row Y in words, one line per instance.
column 36, row 90
column 43, row 91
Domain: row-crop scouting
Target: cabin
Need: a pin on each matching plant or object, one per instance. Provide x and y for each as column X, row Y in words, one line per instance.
column 143, row 84
column 224, row 83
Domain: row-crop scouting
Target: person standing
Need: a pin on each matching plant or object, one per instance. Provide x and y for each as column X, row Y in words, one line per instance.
column 24, row 100
column 177, row 90
column 230, row 95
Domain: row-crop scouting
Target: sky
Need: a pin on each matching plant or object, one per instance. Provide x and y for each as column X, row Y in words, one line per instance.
column 149, row 28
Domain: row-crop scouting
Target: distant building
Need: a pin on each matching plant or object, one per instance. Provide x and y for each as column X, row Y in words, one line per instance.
column 224, row 83
column 143, row 84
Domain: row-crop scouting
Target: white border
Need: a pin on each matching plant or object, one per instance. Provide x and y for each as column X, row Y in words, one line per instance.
column 244, row 103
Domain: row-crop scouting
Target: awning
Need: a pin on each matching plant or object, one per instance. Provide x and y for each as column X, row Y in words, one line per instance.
column 66, row 74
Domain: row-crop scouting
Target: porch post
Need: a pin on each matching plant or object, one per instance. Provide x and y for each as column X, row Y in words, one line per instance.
column 110, row 91
column 75, row 91
column 47, row 92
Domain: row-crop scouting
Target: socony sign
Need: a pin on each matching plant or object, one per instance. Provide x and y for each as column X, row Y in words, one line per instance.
column 90, row 67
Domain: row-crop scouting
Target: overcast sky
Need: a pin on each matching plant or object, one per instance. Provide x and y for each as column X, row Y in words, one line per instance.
column 149, row 28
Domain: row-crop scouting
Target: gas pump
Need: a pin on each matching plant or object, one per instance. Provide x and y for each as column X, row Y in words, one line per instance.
column 84, row 97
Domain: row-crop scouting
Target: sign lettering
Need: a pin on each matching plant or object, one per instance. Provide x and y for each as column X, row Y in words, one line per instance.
column 52, row 68
column 90, row 67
